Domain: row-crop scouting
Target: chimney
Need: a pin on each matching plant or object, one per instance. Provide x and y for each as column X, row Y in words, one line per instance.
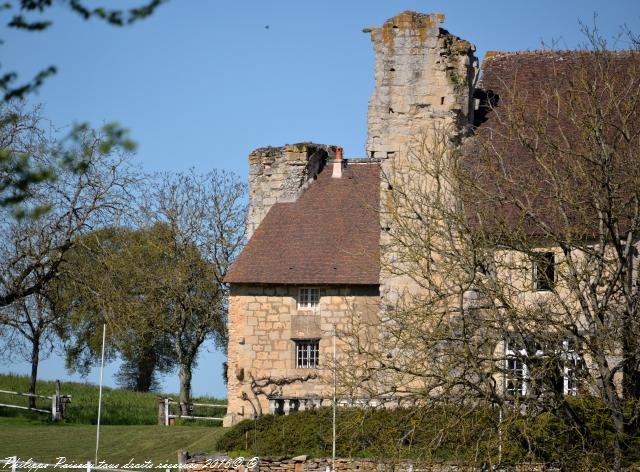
column 337, row 164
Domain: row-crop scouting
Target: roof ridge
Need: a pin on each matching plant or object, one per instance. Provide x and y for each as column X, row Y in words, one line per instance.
column 550, row 52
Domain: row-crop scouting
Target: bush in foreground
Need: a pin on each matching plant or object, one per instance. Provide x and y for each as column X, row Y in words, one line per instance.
column 449, row 433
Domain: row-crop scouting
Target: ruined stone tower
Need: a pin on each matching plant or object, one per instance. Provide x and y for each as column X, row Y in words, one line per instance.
column 423, row 74
column 280, row 174
column 424, row 78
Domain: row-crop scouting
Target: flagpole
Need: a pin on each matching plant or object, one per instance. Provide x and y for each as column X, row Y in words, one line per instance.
column 104, row 336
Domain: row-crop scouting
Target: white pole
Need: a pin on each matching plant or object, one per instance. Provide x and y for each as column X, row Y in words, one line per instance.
column 333, row 453
column 166, row 412
column 104, row 337
column 500, row 435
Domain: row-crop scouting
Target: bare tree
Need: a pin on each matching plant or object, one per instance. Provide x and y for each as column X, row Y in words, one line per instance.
column 22, row 134
column 31, row 328
column 518, row 253
column 206, row 214
column 33, row 249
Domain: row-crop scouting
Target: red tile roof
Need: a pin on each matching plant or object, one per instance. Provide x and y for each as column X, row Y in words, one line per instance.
column 533, row 144
column 329, row 235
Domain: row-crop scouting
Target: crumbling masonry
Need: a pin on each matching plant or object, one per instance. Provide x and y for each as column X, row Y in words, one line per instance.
column 423, row 80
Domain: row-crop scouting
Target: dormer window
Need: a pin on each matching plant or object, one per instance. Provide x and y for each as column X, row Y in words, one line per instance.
column 308, row 298
column 543, row 271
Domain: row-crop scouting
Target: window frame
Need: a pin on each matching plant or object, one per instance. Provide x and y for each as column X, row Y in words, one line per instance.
column 545, row 281
column 519, row 371
column 308, row 304
column 307, row 353
column 572, row 364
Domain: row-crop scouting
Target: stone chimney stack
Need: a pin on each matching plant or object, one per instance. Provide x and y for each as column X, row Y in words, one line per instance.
column 423, row 74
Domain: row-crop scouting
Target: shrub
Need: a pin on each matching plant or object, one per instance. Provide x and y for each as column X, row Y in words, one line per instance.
column 445, row 433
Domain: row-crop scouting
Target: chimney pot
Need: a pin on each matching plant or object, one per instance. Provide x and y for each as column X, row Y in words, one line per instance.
column 337, row 164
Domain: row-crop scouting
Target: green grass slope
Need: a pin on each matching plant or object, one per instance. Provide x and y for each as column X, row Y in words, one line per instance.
column 119, row 407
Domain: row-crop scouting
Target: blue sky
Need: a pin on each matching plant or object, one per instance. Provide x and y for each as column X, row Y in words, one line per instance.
column 202, row 83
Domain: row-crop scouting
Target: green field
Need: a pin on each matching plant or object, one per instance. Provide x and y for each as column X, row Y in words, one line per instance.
column 129, row 430
column 118, row 444
column 119, row 407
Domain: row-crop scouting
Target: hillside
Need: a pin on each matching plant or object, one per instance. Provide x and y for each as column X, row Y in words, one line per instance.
column 119, row 407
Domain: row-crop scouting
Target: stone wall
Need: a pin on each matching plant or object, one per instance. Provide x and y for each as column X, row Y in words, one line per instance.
column 424, row 78
column 422, row 74
column 264, row 321
column 303, row 464
column 279, row 174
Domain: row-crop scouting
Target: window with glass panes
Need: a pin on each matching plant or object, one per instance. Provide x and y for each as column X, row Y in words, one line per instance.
column 307, row 353
column 572, row 368
column 515, row 377
column 308, row 298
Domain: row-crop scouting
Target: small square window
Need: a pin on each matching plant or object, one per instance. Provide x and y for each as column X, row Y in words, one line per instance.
column 307, row 353
column 543, row 271
column 308, row 298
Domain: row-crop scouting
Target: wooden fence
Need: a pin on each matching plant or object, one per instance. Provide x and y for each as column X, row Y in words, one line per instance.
column 59, row 402
column 167, row 411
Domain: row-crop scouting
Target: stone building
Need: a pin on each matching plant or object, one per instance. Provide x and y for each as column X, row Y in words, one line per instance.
column 312, row 260
column 318, row 242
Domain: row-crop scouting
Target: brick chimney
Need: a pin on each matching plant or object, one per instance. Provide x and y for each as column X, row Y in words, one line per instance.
column 337, row 164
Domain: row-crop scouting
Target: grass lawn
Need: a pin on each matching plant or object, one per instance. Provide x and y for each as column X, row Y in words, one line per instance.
column 118, row 443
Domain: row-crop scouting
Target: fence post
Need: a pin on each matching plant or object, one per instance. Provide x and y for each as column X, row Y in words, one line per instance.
column 14, row 466
column 88, row 466
column 56, row 406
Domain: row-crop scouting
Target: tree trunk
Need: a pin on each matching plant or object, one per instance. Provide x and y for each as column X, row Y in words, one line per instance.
column 146, row 367
column 35, row 358
column 185, row 386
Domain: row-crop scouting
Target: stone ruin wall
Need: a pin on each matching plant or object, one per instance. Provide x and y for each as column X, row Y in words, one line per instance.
column 280, row 174
column 424, row 78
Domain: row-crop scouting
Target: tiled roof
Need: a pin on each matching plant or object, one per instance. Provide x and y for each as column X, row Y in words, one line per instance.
column 555, row 129
column 329, row 235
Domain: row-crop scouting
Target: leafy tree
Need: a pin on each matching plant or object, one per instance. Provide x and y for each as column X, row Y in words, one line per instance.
column 110, row 277
column 159, row 287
